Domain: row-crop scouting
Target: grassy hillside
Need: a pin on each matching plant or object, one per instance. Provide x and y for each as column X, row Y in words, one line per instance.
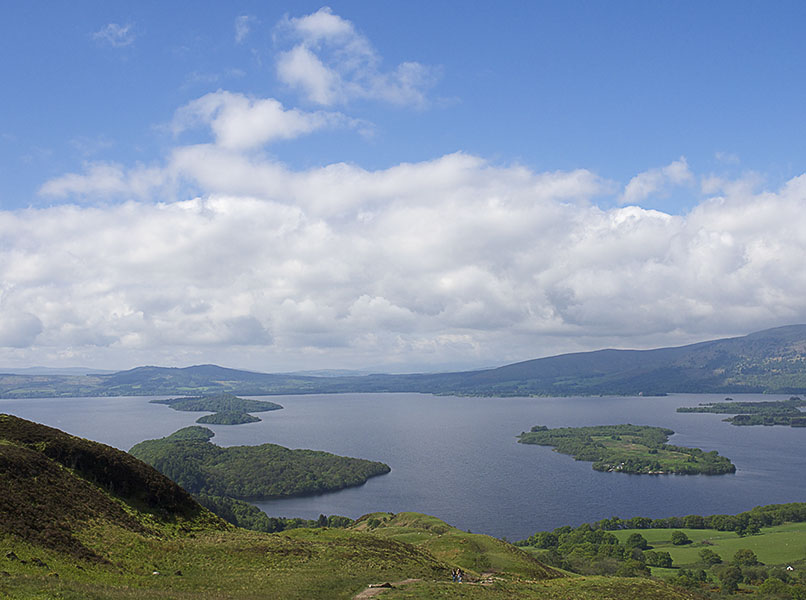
column 83, row 521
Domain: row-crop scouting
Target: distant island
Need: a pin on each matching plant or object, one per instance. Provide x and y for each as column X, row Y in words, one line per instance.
column 228, row 408
column 228, row 418
column 636, row 449
column 772, row 412
column 251, row 472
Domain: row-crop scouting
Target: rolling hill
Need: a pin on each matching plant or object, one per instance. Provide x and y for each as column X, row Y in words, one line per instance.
column 769, row 361
column 82, row 520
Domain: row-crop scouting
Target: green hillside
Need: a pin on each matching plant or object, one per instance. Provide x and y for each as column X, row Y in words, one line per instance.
column 83, row 521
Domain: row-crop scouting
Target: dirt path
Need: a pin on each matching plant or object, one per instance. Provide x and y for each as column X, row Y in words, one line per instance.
column 376, row 588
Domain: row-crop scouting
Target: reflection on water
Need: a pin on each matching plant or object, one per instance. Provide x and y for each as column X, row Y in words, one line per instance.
column 458, row 459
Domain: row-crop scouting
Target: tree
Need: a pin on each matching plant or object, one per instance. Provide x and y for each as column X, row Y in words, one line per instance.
column 658, row 559
column 745, row 557
column 773, row 587
column 709, row 557
column 679, row 538
column 632, row 568
column 636, row 540
column 729, row 579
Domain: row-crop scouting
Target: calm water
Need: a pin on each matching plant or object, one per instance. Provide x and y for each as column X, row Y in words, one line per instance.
column 458, row 459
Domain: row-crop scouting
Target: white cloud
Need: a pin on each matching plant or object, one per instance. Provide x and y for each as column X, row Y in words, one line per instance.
column 105, row 181
column 239, row 123
column 18, row 329
column 115, row 35
column 657, row 181
column 243, row 26
column 452, row 260
column 332, row 63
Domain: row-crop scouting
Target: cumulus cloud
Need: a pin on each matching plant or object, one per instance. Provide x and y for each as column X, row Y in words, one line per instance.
column 657, row 181
column 332, row 63
column 115, row 35
column 447, row 261
column 239, row 123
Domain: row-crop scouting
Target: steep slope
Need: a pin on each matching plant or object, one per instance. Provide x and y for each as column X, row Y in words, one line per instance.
column 55, row 484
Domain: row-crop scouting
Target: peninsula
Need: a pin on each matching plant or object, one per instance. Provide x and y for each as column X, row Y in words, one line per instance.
column 251, row 472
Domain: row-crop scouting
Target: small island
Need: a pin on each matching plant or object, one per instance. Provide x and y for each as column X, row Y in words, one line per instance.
column 771, row 412
column 228, row 418
column 636, row 449
column 251, row 472
column 228, row 409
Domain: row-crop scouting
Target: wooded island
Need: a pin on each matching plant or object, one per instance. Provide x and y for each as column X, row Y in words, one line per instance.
column 637, row 449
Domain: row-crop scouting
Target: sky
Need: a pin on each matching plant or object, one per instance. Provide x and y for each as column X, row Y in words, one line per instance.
column 395, row 186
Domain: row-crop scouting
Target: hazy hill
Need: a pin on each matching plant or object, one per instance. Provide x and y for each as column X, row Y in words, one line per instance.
column 772, row 361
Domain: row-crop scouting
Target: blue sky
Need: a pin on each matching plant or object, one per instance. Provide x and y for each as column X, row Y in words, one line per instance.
column 395, row 185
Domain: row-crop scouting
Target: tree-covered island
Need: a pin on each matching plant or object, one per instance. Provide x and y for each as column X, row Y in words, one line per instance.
column 251, row 472
column 228, row 409
column 771, row 412
column 636, row 449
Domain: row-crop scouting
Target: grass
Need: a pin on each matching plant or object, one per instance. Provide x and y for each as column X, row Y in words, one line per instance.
column 779, row 545
column 582, row 588
column 473, row 552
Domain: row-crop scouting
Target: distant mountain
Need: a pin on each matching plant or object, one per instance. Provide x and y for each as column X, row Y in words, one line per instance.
column 770, row 361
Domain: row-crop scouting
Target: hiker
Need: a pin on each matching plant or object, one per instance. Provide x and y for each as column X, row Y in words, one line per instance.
column 453, row 575
column 459, row 575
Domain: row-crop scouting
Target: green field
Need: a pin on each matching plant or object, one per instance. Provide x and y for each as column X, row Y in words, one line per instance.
column 780, row 545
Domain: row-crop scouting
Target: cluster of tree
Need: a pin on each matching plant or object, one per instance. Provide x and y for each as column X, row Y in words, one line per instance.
column 746, row 523
column 248, row 516
column 743, row 568
column 773, row 412
column 251, row 472
column 590, row 550
column 637, row 449
column 597, row 552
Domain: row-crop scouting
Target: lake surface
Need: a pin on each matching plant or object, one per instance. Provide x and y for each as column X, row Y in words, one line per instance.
column 458, row 458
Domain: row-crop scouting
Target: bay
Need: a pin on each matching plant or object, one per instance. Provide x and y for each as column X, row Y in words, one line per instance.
column 458, row 458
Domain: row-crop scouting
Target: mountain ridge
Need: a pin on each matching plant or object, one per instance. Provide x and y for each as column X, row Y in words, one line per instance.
column 768, row 361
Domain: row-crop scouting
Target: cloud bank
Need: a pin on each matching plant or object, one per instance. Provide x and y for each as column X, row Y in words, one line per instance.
column 452, row 261
column 219, row 252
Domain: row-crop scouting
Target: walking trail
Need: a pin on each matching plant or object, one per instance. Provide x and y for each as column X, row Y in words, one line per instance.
column 377, row 588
